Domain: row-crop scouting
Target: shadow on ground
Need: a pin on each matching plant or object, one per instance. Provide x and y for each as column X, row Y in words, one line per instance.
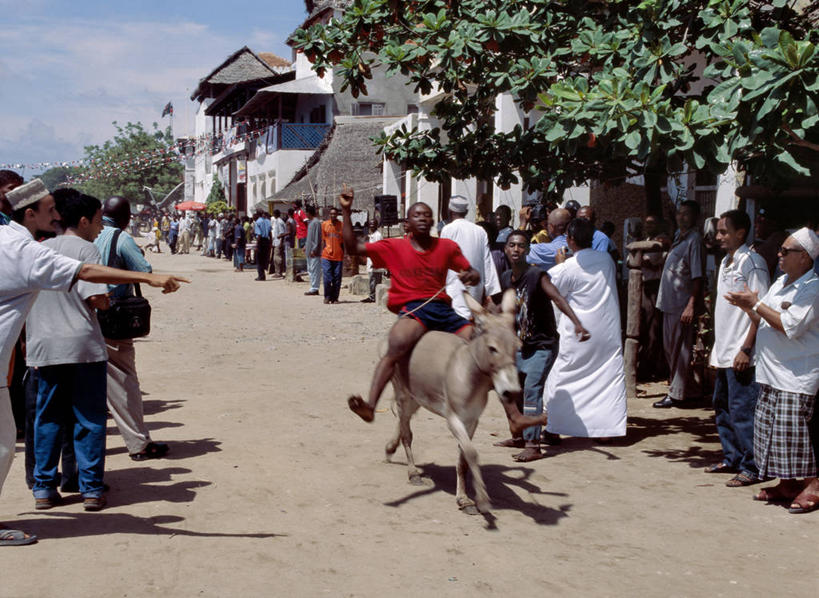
column 56, row 525
column 500, row 480
column 179, row 449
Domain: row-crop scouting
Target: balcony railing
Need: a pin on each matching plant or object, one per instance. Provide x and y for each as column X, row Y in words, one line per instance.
column 300, row 136
column 293, row 136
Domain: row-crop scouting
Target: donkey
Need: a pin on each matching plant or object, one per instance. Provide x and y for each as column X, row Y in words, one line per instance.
column 452, row 377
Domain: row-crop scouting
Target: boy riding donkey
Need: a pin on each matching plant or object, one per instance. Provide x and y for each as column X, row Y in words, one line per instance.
column 418, row 265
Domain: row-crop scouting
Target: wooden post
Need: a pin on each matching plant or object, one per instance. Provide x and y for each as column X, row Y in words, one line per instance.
column 635, row 298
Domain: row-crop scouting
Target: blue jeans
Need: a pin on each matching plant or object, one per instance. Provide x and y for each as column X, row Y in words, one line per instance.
column 533, row 367
column 70, row 397
column 314, row 271
column 332, row 278
column 735, row 395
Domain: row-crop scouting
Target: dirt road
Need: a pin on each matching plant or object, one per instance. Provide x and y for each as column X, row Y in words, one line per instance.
column 273, row 488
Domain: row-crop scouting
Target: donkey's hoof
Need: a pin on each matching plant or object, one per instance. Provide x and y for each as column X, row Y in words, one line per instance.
column 417, row 479
column 467, row 505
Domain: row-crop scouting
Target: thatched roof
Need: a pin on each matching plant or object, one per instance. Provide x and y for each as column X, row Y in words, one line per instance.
column 275, row 62
column 346, row 156
column 242, row 66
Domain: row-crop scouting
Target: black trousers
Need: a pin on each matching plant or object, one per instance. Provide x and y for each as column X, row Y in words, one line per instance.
column 262, row 256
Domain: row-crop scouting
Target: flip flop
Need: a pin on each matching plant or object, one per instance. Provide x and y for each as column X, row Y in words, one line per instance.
column 15, row 537
column 799, row 509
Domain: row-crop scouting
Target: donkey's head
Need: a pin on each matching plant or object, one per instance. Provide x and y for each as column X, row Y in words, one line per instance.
column 495, row 344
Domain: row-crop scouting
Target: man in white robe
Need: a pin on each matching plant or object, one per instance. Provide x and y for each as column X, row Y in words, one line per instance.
column 585, row 393
column 474, row 244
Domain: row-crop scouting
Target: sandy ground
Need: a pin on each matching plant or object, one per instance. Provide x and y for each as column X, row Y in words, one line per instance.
column 274, row 488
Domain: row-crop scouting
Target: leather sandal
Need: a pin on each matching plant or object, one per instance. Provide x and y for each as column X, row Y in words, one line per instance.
column 154, row 450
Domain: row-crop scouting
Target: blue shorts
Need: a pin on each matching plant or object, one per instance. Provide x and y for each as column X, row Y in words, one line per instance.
column 435, row 315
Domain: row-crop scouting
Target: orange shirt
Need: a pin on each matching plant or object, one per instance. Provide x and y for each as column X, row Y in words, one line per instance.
column 331, row 237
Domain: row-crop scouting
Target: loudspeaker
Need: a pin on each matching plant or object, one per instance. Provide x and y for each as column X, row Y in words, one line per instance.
column 386, row 208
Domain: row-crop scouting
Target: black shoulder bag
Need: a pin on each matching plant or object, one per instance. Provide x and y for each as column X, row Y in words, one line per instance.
column 128, row 317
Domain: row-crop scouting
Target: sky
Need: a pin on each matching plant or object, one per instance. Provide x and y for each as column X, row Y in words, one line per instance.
column 69, row 69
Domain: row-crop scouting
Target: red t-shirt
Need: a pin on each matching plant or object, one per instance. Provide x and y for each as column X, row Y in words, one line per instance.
column 416, row 274
column 301, row 227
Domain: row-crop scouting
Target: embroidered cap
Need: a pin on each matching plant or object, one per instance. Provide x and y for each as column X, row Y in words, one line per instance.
column 808, row 240
column 458, row 203
column 27, row 194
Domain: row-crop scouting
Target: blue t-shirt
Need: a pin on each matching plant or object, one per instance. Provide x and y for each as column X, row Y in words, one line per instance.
column 543, row 254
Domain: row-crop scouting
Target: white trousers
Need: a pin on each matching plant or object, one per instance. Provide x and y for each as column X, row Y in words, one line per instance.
column 124, row 397
column 8, row 435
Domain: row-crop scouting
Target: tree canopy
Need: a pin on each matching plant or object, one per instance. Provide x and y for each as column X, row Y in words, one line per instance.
column 617, row 87
column 133, row 159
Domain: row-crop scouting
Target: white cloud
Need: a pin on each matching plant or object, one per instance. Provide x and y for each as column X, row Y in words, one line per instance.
column 73, row 80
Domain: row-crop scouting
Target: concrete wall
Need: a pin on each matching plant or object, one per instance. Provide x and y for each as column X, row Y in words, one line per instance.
column 270, row 173
column 391, row 91
column 202, row 179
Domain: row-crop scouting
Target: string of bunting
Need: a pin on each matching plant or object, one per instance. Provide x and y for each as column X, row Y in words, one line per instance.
column 200, row 145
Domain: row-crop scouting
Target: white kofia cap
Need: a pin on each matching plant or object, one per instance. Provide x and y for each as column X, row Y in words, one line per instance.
column 807, row 239
column 458, row 203
column 27, row 194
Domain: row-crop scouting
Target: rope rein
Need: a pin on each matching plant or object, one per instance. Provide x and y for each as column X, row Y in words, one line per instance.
column 441, row 290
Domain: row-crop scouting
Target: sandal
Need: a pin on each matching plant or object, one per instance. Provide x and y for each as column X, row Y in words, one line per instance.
column 742, row 479
column 767, row 495
column 154, row 450
column 811, row 503
column 15, row 537
column 720, row 468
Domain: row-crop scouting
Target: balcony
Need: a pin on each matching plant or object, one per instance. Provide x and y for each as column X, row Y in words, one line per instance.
column 300, row 136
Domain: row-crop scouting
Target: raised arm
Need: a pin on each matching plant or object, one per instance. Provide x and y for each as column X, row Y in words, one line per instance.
column 563, row 305
column 352, row 244
column 96, row 273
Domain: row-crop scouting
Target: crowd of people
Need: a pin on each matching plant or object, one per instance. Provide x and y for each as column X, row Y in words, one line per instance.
column 73, row 375
column 765, row 353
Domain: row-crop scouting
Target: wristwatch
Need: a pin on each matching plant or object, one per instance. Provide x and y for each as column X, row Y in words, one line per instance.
column 755, row 308
column 746, row 350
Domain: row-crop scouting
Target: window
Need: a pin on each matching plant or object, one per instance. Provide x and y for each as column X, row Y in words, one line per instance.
column 317, row 115
column 412, row 108
column 368, row 109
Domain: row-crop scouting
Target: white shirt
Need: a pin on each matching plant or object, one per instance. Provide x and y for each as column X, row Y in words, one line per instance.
column 790, row 361
column 26, row 267
column 372, row 238
column 731, row 324
column 474, row 244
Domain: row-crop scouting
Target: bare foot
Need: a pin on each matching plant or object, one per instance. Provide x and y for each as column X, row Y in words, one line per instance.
column 360, row 408
column 519, row 423
column 530, row 453
column 511, row 443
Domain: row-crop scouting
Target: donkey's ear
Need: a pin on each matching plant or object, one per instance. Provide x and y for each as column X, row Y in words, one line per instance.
column 509, row 302
column 475, row 307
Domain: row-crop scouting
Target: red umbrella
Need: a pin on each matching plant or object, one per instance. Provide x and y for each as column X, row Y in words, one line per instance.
column 190, row 205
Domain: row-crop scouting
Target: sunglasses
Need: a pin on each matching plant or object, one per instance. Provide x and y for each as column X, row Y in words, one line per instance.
column 786, row 250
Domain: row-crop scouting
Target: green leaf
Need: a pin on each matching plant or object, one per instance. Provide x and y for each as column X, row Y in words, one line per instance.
column 786, row 158
column 632, row 140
